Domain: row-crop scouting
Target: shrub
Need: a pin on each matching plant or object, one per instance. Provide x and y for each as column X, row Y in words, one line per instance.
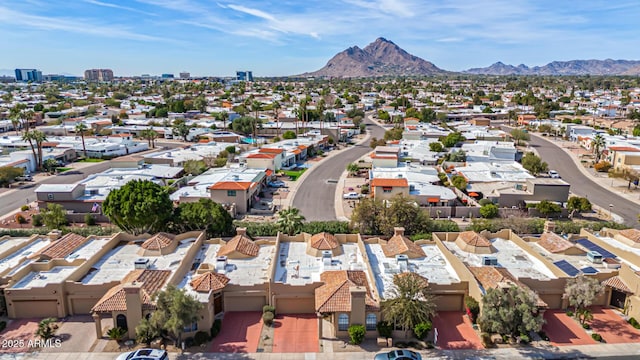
column 269, row 308
column 543, row 335
column 189, row 342
column 569, row 313
column 200, row 338
column 486, row 339
column 267, row 318
column 3, row 325
column 356, row 334
column 489, row 211
column 633, row 322
column 215, row 328
column 116, row 333
column 421, row 330
column 597, row 337
column 89, row 220
column 36, row 220
column 586, row 326
column 602, row 166
column 20, row 219
column 473, row 308
column 24, row 207
column 385, row 329
column 485, row 202
column 524, row 339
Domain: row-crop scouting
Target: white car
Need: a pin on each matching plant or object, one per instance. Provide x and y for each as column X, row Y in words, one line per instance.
column 144, row 354
column 351, row 196
column 554, row 174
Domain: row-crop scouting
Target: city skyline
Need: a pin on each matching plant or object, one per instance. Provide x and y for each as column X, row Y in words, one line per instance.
column 287, row 38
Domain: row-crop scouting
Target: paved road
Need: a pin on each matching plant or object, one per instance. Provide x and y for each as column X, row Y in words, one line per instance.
column 315, row 197
column 581, row 185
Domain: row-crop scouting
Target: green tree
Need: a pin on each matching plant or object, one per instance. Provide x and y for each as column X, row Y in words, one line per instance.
column 598, row 144
column 534, row 164
column 548, row 208
column 580, row 204
column 581, row 291
column 436, row 146
column 47, row 328
column 150, row 135
column 290, row 221
column 636, row 130
column 452, row 139
column 243, row 125
column 8, row 174
column 511, row 311
column 205, row 214
column 408, row 302
column 50, row 165
column 519, row 135
column 54, row 216
column 460, row 182
column 393, row 134
column 81, row 128
column 146, row 333
column 180, row 129
column 194, row 167
column 35, row 139
column 139, row 207
column 489, row 211
column 288, row 135
column 544, row 128
column 353, row 168
column 175, row 310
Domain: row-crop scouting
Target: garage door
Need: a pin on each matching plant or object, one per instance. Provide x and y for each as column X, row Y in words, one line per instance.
column 449, row 302
column 244, row 303
column 31, row 309
column 553, row 301
column 296, row 306
column 82, row 306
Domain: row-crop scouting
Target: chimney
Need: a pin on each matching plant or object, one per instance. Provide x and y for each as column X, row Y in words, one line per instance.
column 54, row 235
column 358, row 306
column 549, row 226
column 241, row 231
column 398, row 231
column 133, row 301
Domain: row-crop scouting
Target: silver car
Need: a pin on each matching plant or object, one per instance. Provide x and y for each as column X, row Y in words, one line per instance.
column 399, row 355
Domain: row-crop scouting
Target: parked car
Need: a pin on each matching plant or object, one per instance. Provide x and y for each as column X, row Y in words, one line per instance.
column 144, row 354
column 276, row 184
column 26, row 177
column 554, row 174
column 351, row 196
column 399, row 355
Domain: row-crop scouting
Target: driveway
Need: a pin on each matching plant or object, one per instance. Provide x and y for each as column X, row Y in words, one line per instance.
column 17, row 336
column 296, row 334
column 612, row 327
column 315, row 197
column 563, row 330
column 75, row 334
column 240, row 333
column 455, row 331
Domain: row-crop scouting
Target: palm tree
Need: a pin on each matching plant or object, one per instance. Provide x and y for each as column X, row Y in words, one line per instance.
column 512, row 115
column 223, row 116
column 80, row 129
column 256, row 106
column 320, row 109
column 16, row 114
column 408, row 302
column 150, row 135
column 598, row 144
column 303, row 112
column 47, row 328
column 35, row 139
column 290, row 221
column 276, row 107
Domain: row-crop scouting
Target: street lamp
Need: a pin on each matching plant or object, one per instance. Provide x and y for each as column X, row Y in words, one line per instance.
column 610, row 207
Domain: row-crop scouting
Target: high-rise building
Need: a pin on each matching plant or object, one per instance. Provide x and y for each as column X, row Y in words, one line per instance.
column 185, row 75
column 244, row 75
column 98, row 75
column 28, row 75
column 166, row 76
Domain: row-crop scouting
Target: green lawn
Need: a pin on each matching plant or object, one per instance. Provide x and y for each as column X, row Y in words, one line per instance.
column 294, row 175
column 63, row 169
column 90, row 160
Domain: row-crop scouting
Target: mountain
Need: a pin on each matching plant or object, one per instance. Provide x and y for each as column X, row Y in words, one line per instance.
column 380, row 58
column 573, row 67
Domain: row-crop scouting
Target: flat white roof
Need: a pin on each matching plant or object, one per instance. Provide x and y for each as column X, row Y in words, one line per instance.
column 510, row 256
column 194, row 152
column 88, row 249
column 433, row 267
column 118, row 262
column 247, row 272
column 494, row 171
column 56, row 275
column 296, row 267
column 577, row 261
column 49, row 188
column 198, row 186
column 619, row 245
column 14, row 259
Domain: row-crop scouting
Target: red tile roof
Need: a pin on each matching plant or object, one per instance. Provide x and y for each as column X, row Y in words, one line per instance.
column 158, row 241
column 399, row 244
column 240, row 243
column 231, row 185
column 271, row 150
column 631, row 234
column 115, row 298
column 209, row 281
column 324, row 241
column 493, row 277
column 261, row 156
column 554, row 243
column 617, row 283
column 474, row 239
column 335, row 294
column 624, row 148
column 389, row 182
column 61, row 248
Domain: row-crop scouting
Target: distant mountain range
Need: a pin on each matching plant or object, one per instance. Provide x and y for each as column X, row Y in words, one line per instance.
column 384, row 58
column 380, row 58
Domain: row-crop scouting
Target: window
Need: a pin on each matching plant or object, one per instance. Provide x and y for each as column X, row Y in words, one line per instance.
column 371, row 321
column 49, row 196
column 192, row 327
column 343, row 322
column 231, row 193
column 387, row 189
column 121, row 321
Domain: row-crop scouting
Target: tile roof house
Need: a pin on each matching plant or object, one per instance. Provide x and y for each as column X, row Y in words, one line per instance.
column 401, row 245
column 336, row 293
column 61, row 248
column 556, row 244
column 472, row 242
column 630, row 237
column 323, row 241
column 241, row 246
column 491, row 277
column 209, row 281
column 149, row 281
column 159, row 244
column 618, row 284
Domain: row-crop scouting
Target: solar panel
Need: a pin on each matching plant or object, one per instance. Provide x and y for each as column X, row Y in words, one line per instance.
column 593, row 247
column 589, row 270
column 566, row 267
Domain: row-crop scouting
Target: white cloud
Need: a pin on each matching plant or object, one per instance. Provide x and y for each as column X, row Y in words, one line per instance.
column 254, row 12
column 116, row 6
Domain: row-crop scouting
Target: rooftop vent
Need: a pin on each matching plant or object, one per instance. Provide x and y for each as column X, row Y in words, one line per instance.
column 141, row 263
column 489, row 261
column 595, row 257
column 221, row 264
column 403, row 262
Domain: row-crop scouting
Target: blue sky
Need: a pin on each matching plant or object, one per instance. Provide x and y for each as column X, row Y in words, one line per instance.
column 217, row 37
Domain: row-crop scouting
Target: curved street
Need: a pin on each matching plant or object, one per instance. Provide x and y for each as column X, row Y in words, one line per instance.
column 315, row 197
column 559, row 160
